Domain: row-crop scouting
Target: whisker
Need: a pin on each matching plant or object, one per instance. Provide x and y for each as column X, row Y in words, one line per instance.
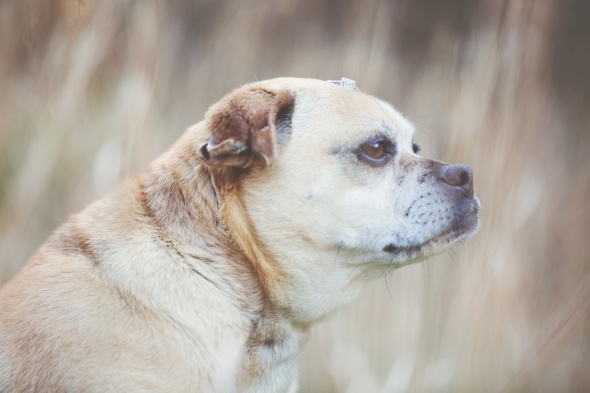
column 387, row 286
column 451, row 256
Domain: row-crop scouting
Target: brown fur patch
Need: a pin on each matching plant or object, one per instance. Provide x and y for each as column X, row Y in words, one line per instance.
column 243, row 128
column 243, row 233
column 71, row 239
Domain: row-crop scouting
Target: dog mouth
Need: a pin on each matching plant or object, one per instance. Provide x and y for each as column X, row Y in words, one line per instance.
column 462, row 228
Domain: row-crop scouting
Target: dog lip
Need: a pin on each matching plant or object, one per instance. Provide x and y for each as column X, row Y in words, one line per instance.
column 476, row 207
column 465, row 227
column 394, row 249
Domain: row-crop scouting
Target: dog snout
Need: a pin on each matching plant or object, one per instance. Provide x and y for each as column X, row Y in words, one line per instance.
column 457, row 175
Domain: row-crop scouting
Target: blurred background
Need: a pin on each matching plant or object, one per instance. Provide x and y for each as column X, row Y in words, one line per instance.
column 92, row 91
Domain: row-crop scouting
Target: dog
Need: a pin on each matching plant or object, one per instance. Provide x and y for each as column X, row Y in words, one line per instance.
column 205, row 274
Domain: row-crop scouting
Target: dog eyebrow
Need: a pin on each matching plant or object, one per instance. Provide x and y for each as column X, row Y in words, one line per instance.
column 383, row 131
column 388, row 129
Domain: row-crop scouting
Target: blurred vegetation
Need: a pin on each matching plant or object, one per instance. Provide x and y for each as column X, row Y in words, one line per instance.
column 94, row 90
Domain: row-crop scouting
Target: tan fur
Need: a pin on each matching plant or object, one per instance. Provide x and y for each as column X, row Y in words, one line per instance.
column 205, row 274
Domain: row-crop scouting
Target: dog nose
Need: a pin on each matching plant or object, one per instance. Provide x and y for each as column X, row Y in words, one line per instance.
column 457, row 175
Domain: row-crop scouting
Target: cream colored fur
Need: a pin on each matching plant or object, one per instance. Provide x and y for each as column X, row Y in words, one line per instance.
column 205, row 274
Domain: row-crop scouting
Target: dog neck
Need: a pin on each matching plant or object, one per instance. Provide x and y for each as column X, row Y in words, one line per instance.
column 215, row 219
column 239, row 228
column 179, row 183
column 204, row 214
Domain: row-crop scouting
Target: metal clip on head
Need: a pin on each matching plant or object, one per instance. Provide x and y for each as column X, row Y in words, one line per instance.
column 345, row 82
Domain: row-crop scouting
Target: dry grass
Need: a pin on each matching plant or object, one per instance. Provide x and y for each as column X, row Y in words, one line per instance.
column 92, row 92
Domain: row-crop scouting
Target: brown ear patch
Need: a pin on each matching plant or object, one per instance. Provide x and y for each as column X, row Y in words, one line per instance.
column 243, row 127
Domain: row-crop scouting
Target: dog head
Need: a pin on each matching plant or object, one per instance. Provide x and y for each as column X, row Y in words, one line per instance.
column 332, row 185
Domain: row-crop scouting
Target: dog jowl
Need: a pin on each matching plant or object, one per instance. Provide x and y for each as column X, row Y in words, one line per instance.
column 205, row 273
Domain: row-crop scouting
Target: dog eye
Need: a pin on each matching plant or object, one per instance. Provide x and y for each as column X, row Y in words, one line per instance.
column 415, row 147
column 376, row 152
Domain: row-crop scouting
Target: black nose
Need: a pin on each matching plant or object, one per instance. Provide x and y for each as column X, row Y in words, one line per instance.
column 457, row 175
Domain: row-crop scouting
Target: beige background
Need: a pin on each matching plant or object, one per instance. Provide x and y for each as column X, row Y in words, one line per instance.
column 93, row 91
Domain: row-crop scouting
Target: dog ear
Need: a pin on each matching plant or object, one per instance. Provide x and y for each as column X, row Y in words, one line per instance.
column 243, row 128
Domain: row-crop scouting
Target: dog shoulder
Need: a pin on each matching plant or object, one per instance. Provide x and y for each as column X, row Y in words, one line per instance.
column 102, row 287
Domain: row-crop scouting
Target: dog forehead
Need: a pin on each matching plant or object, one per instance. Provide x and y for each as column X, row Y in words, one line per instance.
column 350, row 111
column 318, row 102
